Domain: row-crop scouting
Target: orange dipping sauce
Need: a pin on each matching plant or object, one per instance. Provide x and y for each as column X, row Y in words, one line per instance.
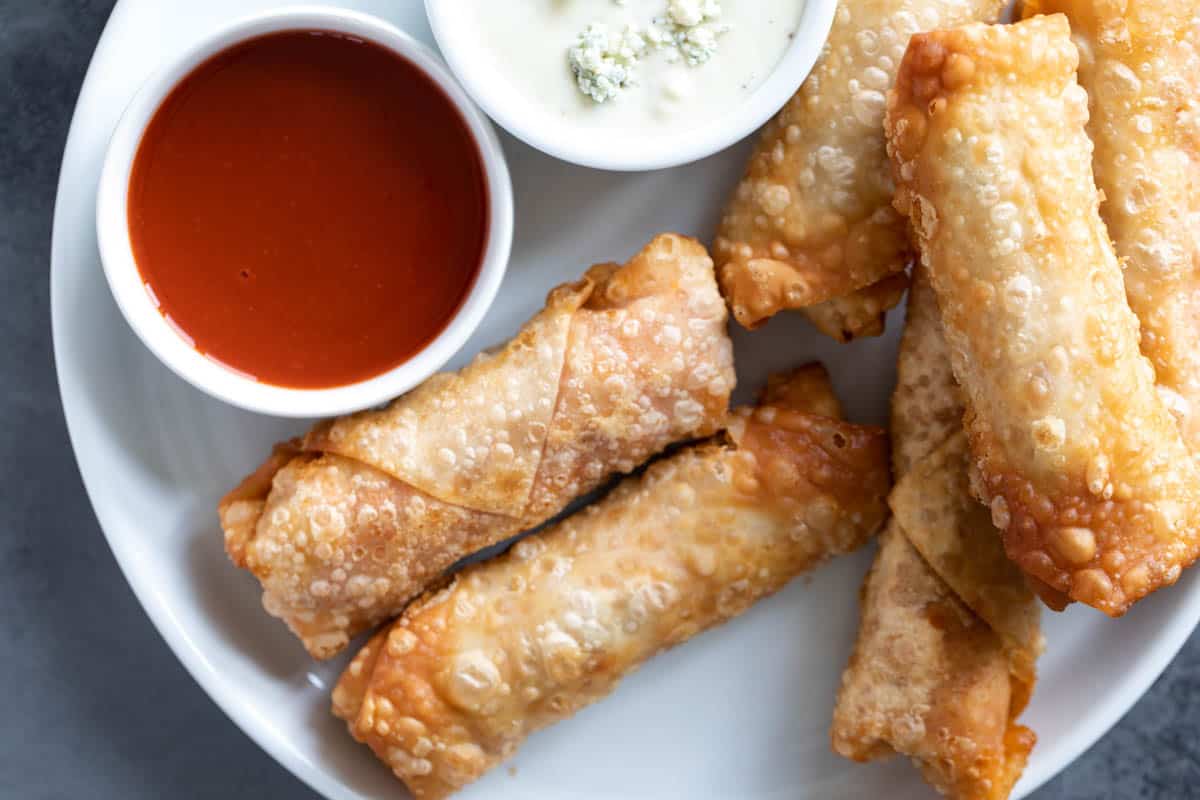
column 308, row 209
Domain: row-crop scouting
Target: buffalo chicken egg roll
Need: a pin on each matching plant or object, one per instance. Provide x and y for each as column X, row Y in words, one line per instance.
column 811, row 225
column 1082, row 463
column 527, row 639
column 949, row 633
column 929, row 680
column 1140, row 64
column 932, row 497
column 346, row 525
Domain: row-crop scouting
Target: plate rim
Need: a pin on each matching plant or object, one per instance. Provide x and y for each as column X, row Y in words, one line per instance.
column 181, row 646
column 1109, row 710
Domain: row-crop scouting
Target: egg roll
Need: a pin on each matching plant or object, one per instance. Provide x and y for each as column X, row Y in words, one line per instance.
column 860, row 313
column 527, row 639
column 347, row 524
column 1140, row 64
column 1083, row 465
column 949, row 635
column 811, row 225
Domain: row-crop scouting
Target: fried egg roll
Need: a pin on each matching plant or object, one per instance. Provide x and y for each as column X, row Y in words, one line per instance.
column 1081, row 461
column 347, row 524
column 529, row 638
column 949, row 635
column 811, row 225
column 1140, row 64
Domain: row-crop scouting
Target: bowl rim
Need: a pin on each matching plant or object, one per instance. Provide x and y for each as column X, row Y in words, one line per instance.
column 600, row 150
column 224, row 382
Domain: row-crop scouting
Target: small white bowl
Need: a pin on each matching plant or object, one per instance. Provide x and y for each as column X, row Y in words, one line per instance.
column 533, row 122
column 150, row 325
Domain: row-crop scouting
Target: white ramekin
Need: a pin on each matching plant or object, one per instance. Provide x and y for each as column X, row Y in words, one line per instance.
column 152, row 328
column 535, row 124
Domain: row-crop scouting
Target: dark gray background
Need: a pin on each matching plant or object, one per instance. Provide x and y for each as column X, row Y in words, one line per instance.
column 92, row 703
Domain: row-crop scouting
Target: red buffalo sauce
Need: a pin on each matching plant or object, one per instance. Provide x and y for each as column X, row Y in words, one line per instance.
column 308, row 209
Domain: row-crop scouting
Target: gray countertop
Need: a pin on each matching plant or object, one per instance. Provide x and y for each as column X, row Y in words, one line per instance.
column 95, row 705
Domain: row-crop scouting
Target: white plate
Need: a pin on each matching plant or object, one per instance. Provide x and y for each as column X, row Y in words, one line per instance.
column 742, row 712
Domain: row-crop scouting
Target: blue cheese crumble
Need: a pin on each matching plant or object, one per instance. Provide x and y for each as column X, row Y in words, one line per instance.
column 694, row 28
column 605, row 62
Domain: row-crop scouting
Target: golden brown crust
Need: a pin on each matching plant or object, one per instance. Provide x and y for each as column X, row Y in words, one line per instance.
column 811, row 224
column 1140, row 64
column 1051, row 597
column 930, row 680
column 933, row 505
column 649, row 363
column 418, row 440
column 619, row 365
column 861, row 313
column 927, row 405
column 241, row 508
column 1083, row 465
column 367, row 543
column 527, row 639
column 804, row 389
column 949, row 634
column 355, row 681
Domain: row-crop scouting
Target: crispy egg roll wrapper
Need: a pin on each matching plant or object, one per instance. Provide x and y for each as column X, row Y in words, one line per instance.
column 861, row 313
column 811, row 225
column 927, row 404
column 929, row 679
column 1140, row 64
column 928, row 460
column 1083, row 464
column 529, row 638
column 932, row 498
column 949, row 633
column 953, row 532
column 346, row 525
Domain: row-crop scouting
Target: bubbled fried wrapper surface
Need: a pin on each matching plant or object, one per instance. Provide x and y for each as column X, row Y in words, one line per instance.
column 1082, row 463
column 524, row 640
column 1140, row 64
column 811, row 225
column 347, row 524
column 949, row 634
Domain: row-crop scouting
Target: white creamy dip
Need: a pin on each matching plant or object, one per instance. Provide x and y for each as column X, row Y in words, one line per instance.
column 631, row 64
